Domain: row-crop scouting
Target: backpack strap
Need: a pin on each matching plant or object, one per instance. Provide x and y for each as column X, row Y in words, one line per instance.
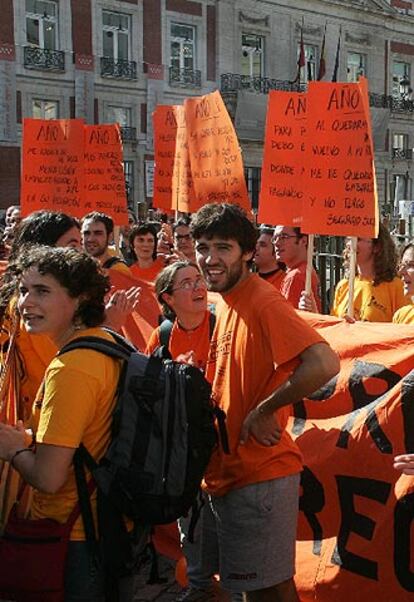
column 211, row 323
column 166, row 327
column 110, row 348
column 111, row 261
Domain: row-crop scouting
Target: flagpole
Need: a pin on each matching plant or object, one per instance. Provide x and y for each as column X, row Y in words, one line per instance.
column 322, row 62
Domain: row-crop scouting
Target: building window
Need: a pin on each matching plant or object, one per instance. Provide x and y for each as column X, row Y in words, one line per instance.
column 252, row 58
column 401, row 185
column 129, row 181
column 120, row 115
column 253, row 177
column 401, row 84
column 116, row 35
column 400, row 148
column 356, row 66
column 308, row 72
column 42, row 24
column 45, row 109
column 183, row 47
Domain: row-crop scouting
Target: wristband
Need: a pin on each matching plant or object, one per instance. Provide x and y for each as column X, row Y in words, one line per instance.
column 16, row 453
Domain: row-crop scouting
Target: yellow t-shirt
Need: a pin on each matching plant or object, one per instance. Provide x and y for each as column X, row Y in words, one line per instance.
column 76, row 406
column 405, row 315
column 371, row 303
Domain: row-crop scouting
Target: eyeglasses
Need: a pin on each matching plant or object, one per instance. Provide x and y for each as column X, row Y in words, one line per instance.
column 189, row 285
column 283, row 236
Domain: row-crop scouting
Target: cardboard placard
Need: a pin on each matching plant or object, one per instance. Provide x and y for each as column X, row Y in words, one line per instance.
column 282, row 190
column 339, row 177
column 182, row 185
column 216, row 163
column 52, row 166
column 104, row 173
column 165, row 134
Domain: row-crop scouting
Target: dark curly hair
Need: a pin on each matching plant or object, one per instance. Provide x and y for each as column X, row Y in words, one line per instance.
column 39, row 228
column 165, row 282
column 140, row 230
column 79, row 273
column 225, row 221
column 385, row 257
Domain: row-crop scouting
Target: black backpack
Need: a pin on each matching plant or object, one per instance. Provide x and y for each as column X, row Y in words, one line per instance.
column 163, row 434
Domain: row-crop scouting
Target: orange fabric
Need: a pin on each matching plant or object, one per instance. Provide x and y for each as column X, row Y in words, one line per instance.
column 148, row 275
column 275, row 278
column 339, row 177
column 140, row 323
column 293, row 284
column 251, row 355
column 355, row 531
column 182, row 341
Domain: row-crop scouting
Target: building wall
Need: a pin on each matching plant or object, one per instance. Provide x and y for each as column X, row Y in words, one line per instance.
column 381, row 31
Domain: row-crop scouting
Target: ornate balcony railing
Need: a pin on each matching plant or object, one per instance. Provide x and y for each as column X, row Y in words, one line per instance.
column 43, row 58
column 402, row 153
column 119, row 68
column 233, row 82
column 128, row 134
column 184, row 78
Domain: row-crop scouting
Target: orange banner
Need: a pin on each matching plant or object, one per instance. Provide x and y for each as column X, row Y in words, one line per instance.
column 339, row 168
column 355, row 532
column 282, row 188
column 165, row 135
column 104, row 172
column 216, row 163
column 52, row 166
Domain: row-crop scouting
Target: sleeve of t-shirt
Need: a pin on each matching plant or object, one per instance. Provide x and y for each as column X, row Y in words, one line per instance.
column 287, row 333
column 292, row 289
column 154, row 341
column 68, row 406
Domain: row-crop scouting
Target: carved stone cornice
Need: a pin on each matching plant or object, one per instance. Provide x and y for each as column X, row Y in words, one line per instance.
column 310, row 30
column 261, row 21
column 362, row 39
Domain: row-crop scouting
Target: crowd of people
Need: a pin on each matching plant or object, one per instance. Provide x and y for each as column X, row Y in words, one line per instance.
column 228, row 292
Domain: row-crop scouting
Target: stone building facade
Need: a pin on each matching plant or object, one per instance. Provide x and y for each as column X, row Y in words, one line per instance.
column 115, row 60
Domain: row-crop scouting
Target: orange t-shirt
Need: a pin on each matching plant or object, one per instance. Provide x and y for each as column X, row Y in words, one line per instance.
column 148, row 275
column 293, row 284
column 274, row 277
column 253, row 350
column 182, row 341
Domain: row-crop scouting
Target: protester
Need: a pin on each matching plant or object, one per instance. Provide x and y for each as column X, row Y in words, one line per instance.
column 257, row 369
column 268, row 267
column 97, row 231
column 75, row 404
column 182, row 293
column 291, row 247
column 13, row 215
column 405, row 315
column 183, row 242
column 143, row 245
column 378, row 290
column 124, row 238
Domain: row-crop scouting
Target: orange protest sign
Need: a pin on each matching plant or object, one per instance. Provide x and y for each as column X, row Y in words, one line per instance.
column 182, row 183
column 341, row 197
column 165, row 134
column 216, row 163
column 52, row 166
column 104, row 173
column 282, row 190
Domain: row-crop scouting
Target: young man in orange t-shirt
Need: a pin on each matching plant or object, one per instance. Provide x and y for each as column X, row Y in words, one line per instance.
column 263, row 358
column 265, row 260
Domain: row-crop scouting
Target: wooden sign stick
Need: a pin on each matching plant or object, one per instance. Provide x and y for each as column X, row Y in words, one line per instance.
column 351, row 278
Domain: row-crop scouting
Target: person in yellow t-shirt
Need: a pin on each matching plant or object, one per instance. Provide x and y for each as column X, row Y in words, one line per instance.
column 378, row 290
column 405, row 315
column 75, row 403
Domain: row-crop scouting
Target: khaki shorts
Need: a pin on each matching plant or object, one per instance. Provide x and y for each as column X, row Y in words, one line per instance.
column 255, row 527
